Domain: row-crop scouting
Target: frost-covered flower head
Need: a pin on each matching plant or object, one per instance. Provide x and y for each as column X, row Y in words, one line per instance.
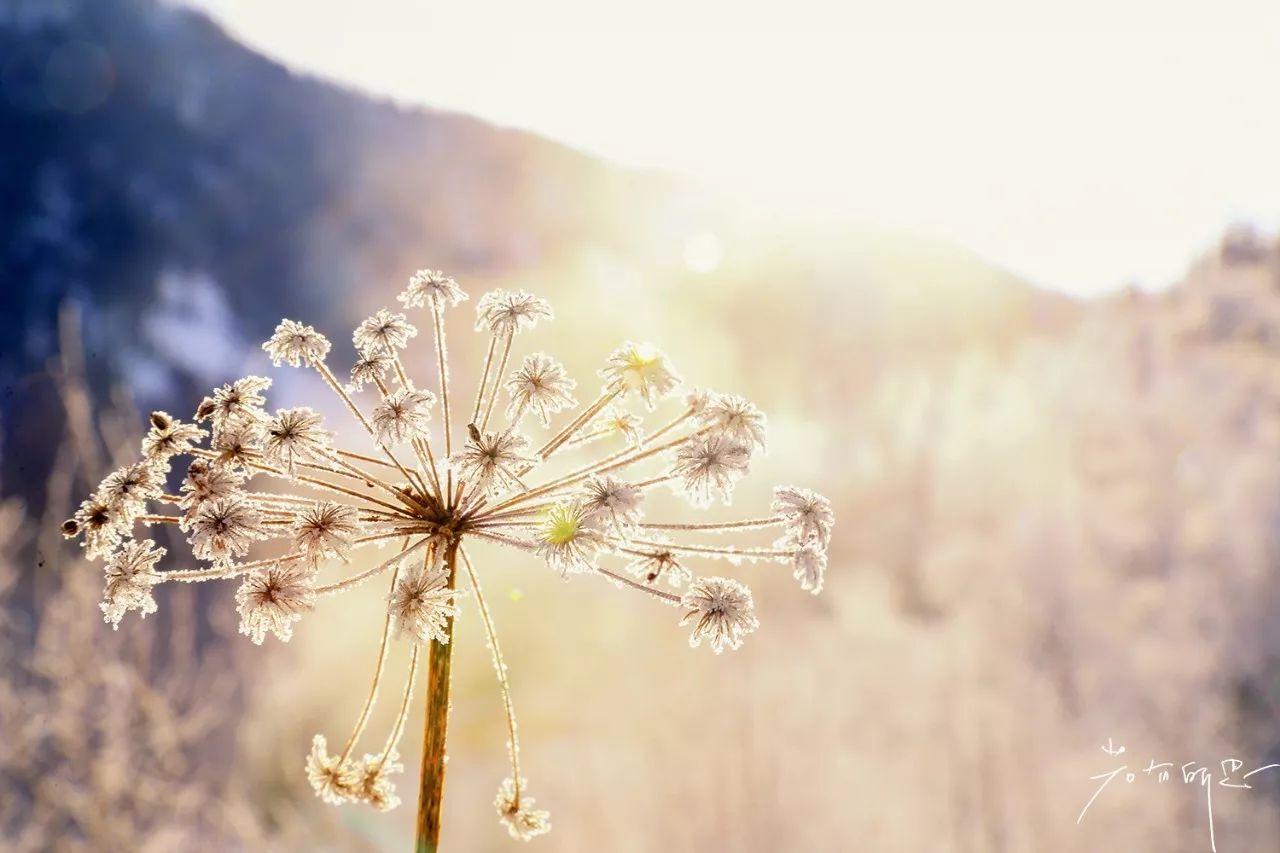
column 516, row 811
column 324, row 530
column 240, row 400
column 403, row 415
column 273, row 599
column 541, row 386
column 614, row 503
column 568, row 539
column 130, row 576
column 384, row 332
column 734, row 418
column 370, row 368
column 808, row 515
column 493, row 460
column 709, row 465
column 721, row 611
column 167, row 438
column 294, row 436
column 422, row 605
column 296, row 344
column 226, row 528
column 428, row 286
column 641, row 369
column 510, row 311
column 296, row 512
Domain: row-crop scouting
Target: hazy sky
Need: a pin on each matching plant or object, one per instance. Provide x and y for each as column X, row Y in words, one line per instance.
column 1081, row 148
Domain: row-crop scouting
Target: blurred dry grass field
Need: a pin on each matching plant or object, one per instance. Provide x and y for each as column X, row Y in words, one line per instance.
column 1043, row 542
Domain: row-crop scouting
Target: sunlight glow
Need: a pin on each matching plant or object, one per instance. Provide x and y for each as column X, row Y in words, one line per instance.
column 1081, row 149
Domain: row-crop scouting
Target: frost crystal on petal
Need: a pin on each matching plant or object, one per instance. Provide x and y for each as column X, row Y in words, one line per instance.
column 520, row 818
column 510, row 311
column 295, row 435
column 130, row 576
column 225, row 528
column 271, row 600
column 735, row 418
column 296, row 344
column 615, row 420
column 402, row 416
column 334, row 781
column 384, row 332
column 491, row 460
column 711, row 464
column 540, row 385
column 422, row 605
column 807, row 513
column 640, row 369
column 431, row 285
column 721, row 611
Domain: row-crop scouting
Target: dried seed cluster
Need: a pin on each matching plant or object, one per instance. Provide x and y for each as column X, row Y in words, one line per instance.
column 415, row 489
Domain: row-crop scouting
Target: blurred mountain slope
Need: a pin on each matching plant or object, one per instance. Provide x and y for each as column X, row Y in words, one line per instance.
column 166, row 177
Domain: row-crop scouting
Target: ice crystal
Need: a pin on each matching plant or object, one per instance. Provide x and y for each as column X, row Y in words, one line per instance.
column 422, row 604
column 541, row 386
column 517, row 813
column 130, row 576
column 402, row 415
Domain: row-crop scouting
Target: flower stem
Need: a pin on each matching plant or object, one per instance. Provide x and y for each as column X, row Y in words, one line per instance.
column 435, row 725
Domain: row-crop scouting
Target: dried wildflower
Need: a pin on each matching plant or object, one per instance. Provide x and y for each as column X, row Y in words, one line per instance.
column 296, row 344
column 169, row 437
column 493, row 460
column 808, row 515
column 102, row 526
column 384, row 332
column 373, row 784
column 370, row 368
column 129, row 488
column 238, row 443
column 432, row 514
column 658, row 562
column 225, row 528
column 710, row 464
column 295, row 435
column 431, row 286
column 130, row 576
column 334, row 779
column 567, row 538
column 240, row 400
column 540, row 385
column 517, row 814
column 734, row 418
column 207, row 482
column 272, row 599
column 421, row 606
column 324, row 530
column 642, row 370
column 609, row 500
column 722, row 612
column 810, row 568
column 402, row 415
column 507, row 312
